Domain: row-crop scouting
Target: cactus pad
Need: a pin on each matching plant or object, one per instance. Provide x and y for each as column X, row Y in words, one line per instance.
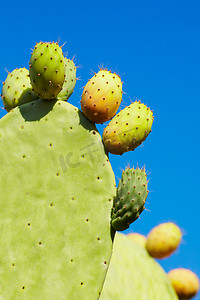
column 130, row 198
column 57, row 188
column 17, row 89
column 133, row 274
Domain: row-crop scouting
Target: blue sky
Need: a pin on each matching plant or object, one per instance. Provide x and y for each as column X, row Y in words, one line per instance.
column 155, row 47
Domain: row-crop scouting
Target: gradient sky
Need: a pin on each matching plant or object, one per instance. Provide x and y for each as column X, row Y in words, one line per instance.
column 155, row 47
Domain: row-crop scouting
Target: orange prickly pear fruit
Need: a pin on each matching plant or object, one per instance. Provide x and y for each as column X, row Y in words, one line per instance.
column 102, row 96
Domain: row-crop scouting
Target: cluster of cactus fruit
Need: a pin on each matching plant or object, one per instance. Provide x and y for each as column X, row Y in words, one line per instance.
column 58, row 222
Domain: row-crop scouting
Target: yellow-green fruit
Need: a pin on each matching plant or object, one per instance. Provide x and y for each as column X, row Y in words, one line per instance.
column 163, row 240
column 128, row 129
column 47, row 70
column 185, row 282
column 138, row 238
column 17, row 89
column 102, row 96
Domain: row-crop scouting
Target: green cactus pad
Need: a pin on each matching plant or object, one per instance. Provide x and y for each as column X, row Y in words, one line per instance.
column 133, row 274
column 57, row 188
column 70, row 80
column 17, row 89
column 130, row 198
column 128, row 129
column 47, row 70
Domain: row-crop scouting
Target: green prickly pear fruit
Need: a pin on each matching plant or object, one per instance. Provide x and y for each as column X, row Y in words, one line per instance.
column 163, row 240
column 102, row 96
column 185, row 283
column 130, row 198
column 128, row 129
column 17, row 89
column 138, row 238
column 47, row 70
column 70, row 80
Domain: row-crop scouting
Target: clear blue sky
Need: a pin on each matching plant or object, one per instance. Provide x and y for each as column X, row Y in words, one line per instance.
column 155, row 47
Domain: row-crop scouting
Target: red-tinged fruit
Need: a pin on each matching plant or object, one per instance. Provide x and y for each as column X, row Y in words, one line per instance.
column 102, row 96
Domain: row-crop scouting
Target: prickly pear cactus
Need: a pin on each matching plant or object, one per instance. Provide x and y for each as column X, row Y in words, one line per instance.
column 130, row 198
column 17, row 89
column 133, row 274
column 56, row 187
column 128, row 129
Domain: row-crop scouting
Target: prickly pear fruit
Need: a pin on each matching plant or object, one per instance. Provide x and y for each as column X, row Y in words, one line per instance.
column 47, row 70
column 185, row 282
column 128, row 129
column 138, row 238
column 163, row 240
column 130, row 198
column 102, row 96
column 70, row 80
column 17, row 89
